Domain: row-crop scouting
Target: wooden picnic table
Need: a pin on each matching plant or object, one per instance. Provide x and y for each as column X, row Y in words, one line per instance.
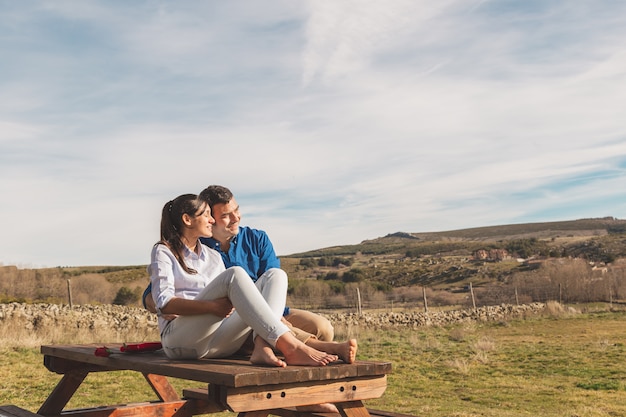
column 233, row 384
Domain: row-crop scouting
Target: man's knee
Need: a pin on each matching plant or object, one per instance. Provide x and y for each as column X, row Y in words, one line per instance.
column 325, row 331
column 312, row 323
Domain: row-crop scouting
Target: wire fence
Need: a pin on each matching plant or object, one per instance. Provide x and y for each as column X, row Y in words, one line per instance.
column 362, row 298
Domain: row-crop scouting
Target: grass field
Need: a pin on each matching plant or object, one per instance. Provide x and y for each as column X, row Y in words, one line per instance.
column 570, row 365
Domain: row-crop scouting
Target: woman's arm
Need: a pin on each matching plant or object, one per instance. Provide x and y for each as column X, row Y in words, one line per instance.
column 221, row 307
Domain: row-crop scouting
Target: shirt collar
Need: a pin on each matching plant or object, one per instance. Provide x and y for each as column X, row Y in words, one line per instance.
column 189, row 253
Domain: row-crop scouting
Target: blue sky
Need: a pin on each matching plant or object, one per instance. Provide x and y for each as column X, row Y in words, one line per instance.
column 332, row 121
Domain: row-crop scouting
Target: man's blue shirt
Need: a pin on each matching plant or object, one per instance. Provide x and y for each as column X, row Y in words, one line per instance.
column 250, row 249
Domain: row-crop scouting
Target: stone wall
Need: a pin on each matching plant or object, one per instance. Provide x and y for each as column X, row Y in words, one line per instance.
column 39, row 316
column 127, row 319
column 435, row 318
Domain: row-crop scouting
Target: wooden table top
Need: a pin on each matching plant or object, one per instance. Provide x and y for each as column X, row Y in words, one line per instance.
column 231, row 372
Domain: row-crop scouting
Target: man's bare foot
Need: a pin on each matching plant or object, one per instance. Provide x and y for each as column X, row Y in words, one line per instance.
column 297, row 353
column 263, row 354
column 346, row 351
column 318, row 408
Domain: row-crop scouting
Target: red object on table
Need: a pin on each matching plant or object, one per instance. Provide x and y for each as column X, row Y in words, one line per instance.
column 141, row 347
column 129, row 348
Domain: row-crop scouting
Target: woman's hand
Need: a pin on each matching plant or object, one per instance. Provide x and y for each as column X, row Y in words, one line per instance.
column 222, row 307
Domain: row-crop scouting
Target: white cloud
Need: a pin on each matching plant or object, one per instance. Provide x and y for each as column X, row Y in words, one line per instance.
column 332, row 121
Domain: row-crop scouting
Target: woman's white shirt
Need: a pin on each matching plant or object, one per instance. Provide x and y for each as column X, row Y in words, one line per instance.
column 170, row 280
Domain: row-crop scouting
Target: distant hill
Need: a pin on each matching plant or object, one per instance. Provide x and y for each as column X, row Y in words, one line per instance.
column 454, row 258
column 449, row 261
column 581, row 227
column 570, row 230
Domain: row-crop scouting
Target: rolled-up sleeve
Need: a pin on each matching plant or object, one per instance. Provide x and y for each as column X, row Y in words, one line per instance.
column 162, row 276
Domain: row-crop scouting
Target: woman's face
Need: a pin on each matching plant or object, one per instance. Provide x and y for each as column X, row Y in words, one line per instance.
column 202, row 222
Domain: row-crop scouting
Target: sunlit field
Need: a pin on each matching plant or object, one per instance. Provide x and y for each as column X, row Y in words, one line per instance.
column 562, row 363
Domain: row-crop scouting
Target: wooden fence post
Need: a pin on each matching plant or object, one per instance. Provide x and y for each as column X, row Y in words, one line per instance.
column 69, row 292
column 472, row 293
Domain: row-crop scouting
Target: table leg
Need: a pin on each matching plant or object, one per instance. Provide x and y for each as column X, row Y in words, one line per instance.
column 58, row 399
column 162, row 387
column 352, row 409
column 262, row 413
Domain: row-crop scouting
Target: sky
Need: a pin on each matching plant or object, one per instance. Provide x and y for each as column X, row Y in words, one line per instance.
column 332, row 121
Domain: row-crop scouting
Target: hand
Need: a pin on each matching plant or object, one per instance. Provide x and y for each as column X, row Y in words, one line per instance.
column 151, row 307
column 150, row 303
column 169, row 317
column 222, row 307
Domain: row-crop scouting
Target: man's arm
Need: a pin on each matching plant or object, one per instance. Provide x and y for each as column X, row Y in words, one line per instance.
column 147, row 300
column 267, row 256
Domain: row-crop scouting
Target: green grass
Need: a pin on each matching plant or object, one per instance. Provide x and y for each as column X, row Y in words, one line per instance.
column 549, row 367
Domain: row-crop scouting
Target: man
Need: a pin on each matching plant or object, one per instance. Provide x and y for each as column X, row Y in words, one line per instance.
column 252, row 250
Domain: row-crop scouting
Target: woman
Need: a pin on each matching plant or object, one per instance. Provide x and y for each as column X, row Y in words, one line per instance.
column 207, row 311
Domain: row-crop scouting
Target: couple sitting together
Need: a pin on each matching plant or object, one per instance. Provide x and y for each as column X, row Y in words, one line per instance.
column 216, row 286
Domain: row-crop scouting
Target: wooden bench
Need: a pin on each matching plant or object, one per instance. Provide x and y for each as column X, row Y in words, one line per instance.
column 286, row 412
column 14, row 411
column 232, row 385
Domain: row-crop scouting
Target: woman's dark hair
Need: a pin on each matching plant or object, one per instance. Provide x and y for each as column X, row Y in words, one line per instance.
column 172, row 224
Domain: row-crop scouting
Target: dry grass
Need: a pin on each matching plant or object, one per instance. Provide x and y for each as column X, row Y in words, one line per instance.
column 570, row 365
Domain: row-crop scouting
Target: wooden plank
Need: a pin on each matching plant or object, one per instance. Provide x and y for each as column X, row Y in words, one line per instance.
column 62, row 365
column 304, row 393
column 62, row 393
column 382, row 413
column 227, row 372
column 161, row 386
column 10, row 410
column 178, row 409
column 262, row 413
column 183, row 408
column 293, row 412
column 352, row 409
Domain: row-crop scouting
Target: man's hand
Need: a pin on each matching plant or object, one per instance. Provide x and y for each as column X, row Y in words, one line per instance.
column 150, row 306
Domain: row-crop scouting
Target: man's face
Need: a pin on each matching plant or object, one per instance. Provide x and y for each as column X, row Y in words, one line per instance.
column 226, row 220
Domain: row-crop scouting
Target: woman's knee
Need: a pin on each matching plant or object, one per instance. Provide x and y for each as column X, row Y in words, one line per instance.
column 238, row 273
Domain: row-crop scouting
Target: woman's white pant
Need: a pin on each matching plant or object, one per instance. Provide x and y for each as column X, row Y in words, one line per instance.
column 258, row 307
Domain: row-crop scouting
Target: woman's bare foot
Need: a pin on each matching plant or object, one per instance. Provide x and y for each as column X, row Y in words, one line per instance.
column 263, row 354
column 297, row 353
column 346, row 351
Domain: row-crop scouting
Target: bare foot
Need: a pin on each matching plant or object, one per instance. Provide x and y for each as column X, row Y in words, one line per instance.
column 297, row 353
column 346, row 351
column 263, row 354
column 318, row 408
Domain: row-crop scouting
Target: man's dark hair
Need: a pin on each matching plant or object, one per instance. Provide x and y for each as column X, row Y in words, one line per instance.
column 215, row 194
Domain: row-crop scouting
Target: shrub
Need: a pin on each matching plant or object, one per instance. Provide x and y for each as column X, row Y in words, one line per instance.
column 353, row 275
column 125, row 296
